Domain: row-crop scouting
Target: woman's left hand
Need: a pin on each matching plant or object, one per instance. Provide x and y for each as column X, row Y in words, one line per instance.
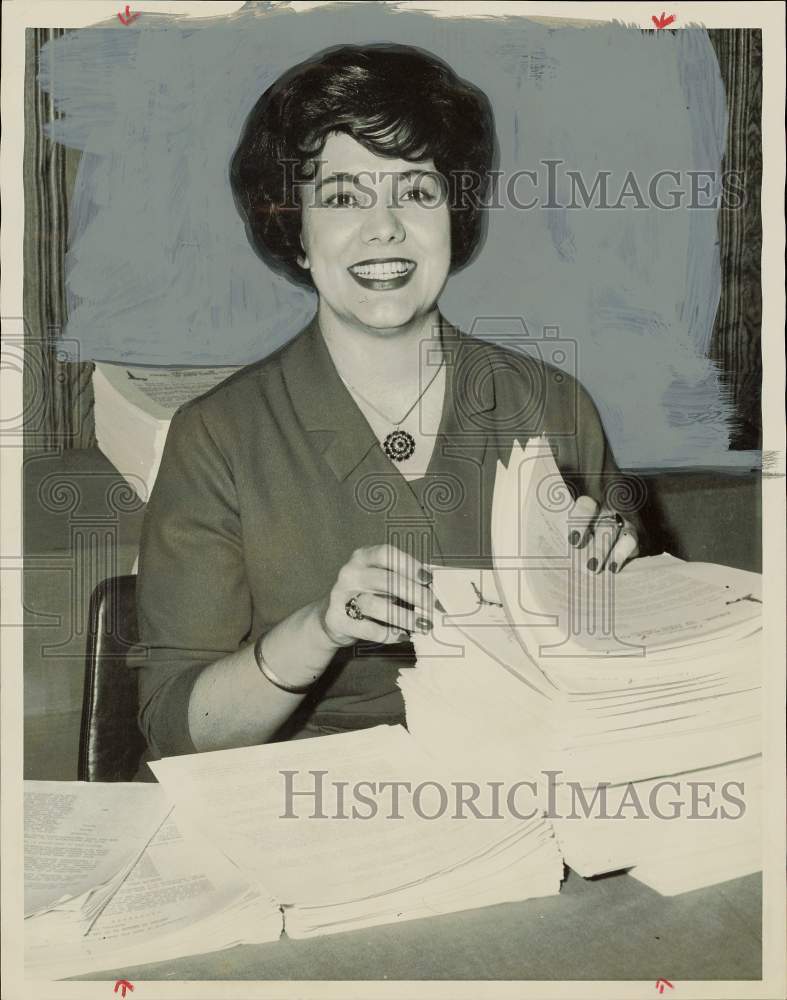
column 610, row 539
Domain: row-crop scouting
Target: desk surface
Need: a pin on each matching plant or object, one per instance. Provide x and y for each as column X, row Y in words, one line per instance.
column 607, row 928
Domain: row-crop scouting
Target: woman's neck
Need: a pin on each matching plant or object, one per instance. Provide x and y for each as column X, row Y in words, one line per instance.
column 371, row 358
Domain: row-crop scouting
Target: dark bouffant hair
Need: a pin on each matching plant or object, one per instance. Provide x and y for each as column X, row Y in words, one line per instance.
column 398, row 102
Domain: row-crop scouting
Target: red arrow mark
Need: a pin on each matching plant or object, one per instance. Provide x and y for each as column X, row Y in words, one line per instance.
column 124, row 984
column 660, row 22
column 129, row 16
column 661, row 983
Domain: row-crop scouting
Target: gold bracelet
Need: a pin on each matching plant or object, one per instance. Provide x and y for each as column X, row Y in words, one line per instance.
column 266, row 672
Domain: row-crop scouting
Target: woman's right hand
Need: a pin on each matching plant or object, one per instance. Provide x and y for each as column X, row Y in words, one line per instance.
column 389, row 588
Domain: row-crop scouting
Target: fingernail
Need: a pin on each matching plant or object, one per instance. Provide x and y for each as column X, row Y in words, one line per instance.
column 439, row 606
column 592, row 563
column 574, row 538
column 424, row 576
column 423, row 624
column 613, row 567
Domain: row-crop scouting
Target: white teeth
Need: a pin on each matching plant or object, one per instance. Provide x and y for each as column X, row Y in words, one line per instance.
column 389, row 269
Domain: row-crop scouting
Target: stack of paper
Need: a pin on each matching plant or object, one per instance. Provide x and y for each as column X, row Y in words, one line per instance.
column 599, row 679
column 312, row 837
column 180, row 896
column 359, row 829
column 82, row 840
column 134, row 405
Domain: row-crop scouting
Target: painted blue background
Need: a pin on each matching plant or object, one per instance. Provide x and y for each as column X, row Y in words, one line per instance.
column 159, row 270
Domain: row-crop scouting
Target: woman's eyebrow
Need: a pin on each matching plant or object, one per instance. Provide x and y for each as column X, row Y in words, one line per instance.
column 370, row 175
column 409, row 174
column 340, row 176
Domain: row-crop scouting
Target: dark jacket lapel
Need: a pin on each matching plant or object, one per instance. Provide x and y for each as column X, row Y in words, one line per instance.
column 327, row 410
column 323, row 404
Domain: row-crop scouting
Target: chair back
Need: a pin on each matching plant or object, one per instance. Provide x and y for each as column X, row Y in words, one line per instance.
column 110, row 745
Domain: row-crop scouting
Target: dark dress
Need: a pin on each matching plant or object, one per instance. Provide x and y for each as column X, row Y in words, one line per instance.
column 271, row 480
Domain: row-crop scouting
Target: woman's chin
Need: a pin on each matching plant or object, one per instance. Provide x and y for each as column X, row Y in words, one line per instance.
column 386, row 316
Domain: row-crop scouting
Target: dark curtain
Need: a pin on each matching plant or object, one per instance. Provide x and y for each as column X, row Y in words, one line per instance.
column 737, row 331
column 59, row 397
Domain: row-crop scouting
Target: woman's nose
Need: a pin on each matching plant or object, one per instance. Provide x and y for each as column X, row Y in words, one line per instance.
column 382, row 224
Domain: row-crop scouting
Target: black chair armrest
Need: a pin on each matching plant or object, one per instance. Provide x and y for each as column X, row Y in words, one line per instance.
column 110, row 745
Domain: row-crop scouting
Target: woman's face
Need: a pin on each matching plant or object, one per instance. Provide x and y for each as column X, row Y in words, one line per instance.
column 376, row 236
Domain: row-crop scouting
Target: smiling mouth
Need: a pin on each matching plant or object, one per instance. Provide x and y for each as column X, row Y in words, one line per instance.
column 383, row 275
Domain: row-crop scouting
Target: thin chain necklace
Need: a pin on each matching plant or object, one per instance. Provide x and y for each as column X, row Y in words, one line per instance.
column 399, row 445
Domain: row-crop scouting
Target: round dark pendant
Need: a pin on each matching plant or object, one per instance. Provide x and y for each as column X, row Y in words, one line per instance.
column 399, row 445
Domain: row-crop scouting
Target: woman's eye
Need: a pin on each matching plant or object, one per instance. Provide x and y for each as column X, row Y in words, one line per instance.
column 420, row 195
column 342, row 199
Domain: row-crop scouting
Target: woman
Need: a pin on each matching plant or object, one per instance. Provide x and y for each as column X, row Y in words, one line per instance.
column 284, row 551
